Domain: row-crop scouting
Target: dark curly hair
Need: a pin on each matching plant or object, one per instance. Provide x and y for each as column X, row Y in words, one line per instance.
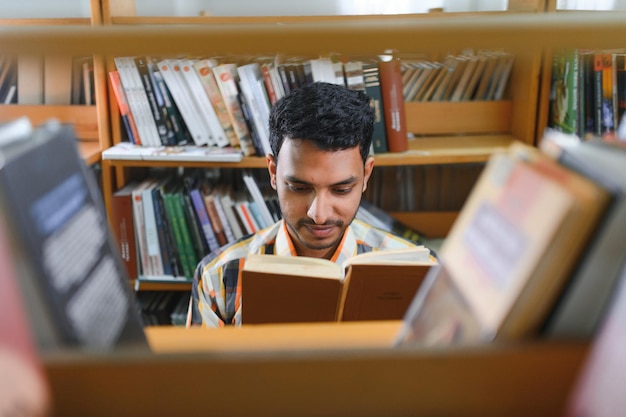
column 329, row 115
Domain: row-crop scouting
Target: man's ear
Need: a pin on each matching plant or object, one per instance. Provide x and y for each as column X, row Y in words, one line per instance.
column 367, row 171
column 271, row 168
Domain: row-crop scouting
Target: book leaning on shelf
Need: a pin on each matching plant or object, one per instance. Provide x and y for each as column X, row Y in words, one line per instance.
column 370, row 286
column 583, row 303
column 510, row 253
column 70, row 272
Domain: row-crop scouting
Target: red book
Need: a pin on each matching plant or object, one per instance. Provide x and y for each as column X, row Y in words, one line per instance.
column 122, row 104
column 393, row 105
column 122, row 225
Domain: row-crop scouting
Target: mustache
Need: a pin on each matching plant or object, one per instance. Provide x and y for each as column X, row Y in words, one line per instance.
column 309, row 222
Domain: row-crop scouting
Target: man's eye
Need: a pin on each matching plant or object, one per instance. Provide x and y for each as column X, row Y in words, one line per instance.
column 344, row 190
column 298, row 188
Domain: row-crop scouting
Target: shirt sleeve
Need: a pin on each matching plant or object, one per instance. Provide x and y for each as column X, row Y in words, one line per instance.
column 213, row 292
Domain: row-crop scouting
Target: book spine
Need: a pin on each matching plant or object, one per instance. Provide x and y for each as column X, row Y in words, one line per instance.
column 140, row 232
column 122, row 104
column 138, row 101
column 188, row 250
column 124, row 230
column 393, row 105
column 199, row 246
column 170, row 71
column 226, row 78
column 608, row 127
column 203, row 104
column 251, row 83
column 202, row 213
column 172, row 215
column 206, row 77
column 162, row 230
column 371, row 79
column 152, row 236
column 597, row 90
column 164, row 131
column 620, row 88
column 217, row 215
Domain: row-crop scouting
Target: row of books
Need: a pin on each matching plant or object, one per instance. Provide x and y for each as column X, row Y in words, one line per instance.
column 166, row 224
column 35, row 79
column 588, row 92
column 214, row 102
column 422, row 187
column 162, row 308
column 470, row 76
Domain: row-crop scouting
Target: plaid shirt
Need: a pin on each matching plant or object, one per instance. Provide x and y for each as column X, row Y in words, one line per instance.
column 216, row 288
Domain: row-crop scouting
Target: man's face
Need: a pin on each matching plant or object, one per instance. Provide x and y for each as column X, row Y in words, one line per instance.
column 319, row 193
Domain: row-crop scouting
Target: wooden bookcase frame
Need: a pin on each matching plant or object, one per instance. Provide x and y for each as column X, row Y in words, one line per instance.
column 91, row 122
column 446, row 132
column 532, row 378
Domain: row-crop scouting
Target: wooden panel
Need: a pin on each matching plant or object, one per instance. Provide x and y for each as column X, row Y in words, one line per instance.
column 433, row 224
column 83, row 118
column 273, row 337
column 437, row 118
column 526, row 380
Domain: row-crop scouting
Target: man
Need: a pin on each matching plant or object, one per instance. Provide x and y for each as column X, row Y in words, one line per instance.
column 320, row 137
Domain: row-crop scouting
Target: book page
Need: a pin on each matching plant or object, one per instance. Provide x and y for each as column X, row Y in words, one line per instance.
column 413, row 255
column 294, row 265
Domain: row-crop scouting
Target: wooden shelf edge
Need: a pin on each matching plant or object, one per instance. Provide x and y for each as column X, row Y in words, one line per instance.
column 481, row 381
column 423, row 150
column 90, row 151
column 84, row 119
column 147, row 285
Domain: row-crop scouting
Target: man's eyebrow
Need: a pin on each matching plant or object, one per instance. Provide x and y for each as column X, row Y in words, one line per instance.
column 347, row 181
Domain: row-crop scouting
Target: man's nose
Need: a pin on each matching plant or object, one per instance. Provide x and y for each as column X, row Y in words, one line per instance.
column 319, row 209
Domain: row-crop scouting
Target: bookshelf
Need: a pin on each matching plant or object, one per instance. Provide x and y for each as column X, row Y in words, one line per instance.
column 314, row 370
column 359, row 378
column 445, row 132
column 90, row 121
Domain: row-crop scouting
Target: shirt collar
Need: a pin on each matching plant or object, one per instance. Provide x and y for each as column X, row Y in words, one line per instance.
column 347, row 247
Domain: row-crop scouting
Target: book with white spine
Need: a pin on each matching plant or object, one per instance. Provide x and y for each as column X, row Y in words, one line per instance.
column 168, row 68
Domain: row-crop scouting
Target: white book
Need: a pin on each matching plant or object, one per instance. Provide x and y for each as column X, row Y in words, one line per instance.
column 227, row 79
column 137, row 101
column 140, row 229
column 152, row 234
column 204, row 71
column 252, row 86
column 279, row 89
column 170, row 70
column 57, row 80
column 203, row 103
column 221, row 213
column 228, row 206
column 30, row 79
column 255, row 192
column 322, row 70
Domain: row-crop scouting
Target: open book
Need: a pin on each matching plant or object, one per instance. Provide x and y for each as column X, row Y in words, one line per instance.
column 370, row 286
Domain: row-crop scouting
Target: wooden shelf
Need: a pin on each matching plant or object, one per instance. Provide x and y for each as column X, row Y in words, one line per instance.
column 90, row 151
column 428, row 150
column 161, row 285
column 83, row 118
column 284, row 370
